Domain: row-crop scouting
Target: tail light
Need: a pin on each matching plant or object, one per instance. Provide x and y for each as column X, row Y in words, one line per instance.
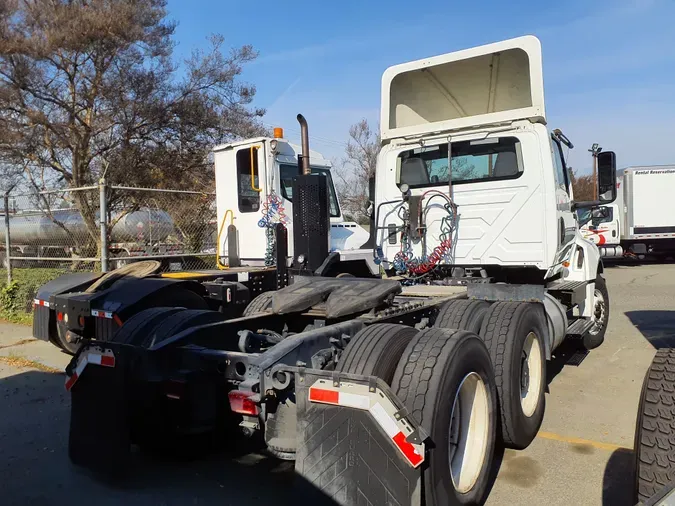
column 243, row 403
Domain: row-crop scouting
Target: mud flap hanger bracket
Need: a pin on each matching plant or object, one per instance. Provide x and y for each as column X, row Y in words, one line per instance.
column 418, row 436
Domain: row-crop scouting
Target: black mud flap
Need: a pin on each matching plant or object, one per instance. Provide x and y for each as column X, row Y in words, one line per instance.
column 345, row 456
column 41, row 321
column 99, row 438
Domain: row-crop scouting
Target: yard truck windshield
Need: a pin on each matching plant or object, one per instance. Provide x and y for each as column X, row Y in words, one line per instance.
column 289, row 171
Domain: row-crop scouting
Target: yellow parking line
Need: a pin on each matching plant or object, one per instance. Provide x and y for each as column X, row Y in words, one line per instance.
column 578, row 441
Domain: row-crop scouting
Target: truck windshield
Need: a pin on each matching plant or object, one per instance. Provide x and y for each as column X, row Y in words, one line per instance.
column 583, row 216
column 478, row 160
column 596, row 216
column 289, row 171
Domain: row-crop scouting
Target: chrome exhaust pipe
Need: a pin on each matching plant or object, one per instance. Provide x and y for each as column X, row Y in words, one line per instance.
column 304, row 135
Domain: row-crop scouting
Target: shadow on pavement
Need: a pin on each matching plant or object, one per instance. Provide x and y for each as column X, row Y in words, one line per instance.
column 567, row 354
column 618, row 480
column 657, row 327
column 36, row 470
column 636, row 262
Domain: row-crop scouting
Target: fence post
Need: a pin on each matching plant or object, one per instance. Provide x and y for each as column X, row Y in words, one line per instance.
column 7, row 241
column 103, row 219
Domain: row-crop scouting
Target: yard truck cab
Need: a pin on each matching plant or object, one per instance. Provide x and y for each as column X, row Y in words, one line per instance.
column 254, row 191
column 391, row 390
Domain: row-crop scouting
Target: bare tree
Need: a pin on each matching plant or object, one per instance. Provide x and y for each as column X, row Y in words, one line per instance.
column 358, row 168
column 582, row 186
column 88, row 88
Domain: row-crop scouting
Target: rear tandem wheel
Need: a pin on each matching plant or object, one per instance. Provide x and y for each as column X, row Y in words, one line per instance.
column 462, row 314
column 376, row 350
column 514, row 332
column 446, row 381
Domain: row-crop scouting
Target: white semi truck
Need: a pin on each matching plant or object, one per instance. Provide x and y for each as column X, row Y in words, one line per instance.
column 641, row 221
column 383, row 391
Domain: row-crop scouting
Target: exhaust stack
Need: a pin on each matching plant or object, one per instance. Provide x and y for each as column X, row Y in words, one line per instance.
column 304, row 157
column 311, row 216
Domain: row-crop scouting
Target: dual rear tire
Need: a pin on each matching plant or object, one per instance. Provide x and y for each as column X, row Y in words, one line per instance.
column 514, row 334
column 445, row 380
column 466, row 391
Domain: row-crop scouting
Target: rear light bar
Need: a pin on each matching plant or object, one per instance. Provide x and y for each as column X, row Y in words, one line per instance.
column 242, row 402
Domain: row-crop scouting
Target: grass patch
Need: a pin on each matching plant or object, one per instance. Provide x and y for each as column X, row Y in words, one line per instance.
column 16, row 298
column 17, row 318
column 23, row 362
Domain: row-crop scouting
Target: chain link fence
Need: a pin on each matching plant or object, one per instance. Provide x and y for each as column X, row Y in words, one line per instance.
column 44, row 234
column 176, row 227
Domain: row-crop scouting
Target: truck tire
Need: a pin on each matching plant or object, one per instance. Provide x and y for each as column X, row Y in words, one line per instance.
column 376, row 350
column 174, row 324
column 514, row 332
column 165, row 300
column 462, row 314
column 655, row 428
column 596, row 335
column 443, row 369
column 142, row 322
column 260, row 304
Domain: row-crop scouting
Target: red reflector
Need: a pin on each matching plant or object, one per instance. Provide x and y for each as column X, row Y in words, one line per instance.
column 81, row 321
column 107, row 360
column 408, row 449
column 59, row 316
column 241, row 403
column 71, row 381
column 117, row 320
column 327, row 396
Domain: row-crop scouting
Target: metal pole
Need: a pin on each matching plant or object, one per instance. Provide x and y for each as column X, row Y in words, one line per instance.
column 595, row 175
column 7, row 241
column 103, row 219
column 449, row 166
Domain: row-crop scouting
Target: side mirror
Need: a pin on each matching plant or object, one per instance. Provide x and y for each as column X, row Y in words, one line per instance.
column 606, row 177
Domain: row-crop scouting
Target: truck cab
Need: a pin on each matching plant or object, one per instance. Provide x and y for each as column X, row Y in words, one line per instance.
column 602, row 226
column 481, row 113
column 254, row 191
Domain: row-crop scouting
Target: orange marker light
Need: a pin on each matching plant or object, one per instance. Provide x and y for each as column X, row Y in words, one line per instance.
column 278, row 133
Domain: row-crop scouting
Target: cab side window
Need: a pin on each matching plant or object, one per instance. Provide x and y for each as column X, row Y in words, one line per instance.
column 249, row 199
column 559, row 166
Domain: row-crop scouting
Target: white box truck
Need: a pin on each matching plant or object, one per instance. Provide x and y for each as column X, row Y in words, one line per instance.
column 642, row 219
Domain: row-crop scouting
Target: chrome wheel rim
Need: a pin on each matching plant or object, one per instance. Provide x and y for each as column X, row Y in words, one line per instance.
column 599, row 313
column 531, row 374
column 469, row 432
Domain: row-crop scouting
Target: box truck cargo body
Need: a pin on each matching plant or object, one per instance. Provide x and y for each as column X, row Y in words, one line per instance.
column 642, row 219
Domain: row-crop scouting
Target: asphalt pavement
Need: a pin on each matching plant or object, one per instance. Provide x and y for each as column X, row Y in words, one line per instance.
column 582, row 456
